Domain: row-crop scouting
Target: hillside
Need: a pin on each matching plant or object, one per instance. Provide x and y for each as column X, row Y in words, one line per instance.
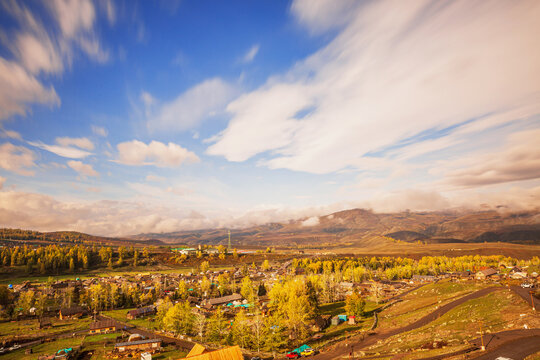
column 358, row 227
column 18, row 236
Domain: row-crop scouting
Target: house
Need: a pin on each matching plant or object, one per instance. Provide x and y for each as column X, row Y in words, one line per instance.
column 485, row 274
column 45, row 323
column 198, row 352
column 320, row 323
column 336, row 320
column 102, row 327
column 192, row 300
column 423, row 278
column 185, row 251
column 223, row 300
column 518, row 275
column 138, row 345
column 141, row 312
column 74, row 312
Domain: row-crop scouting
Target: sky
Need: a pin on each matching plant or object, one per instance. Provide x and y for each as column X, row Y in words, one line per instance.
column 127, row 117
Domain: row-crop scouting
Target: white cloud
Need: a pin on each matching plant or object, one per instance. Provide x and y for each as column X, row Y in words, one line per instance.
column 154, row 178
column 518, row 160
column 395, row 71
column 82, row 168
column 322, row 15
column 17, row 159
column 64, row 151
column 155, row 153
column 249, row 56
column 147, row 99
column 10, row 134
column 83, row 143
column 192, row 107
column 40, row 49
column 19, row 88
column 110, row 10
column 311, row 221
column 98, row 130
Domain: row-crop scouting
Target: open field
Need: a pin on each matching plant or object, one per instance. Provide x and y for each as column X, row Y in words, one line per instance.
column 121, row 315
column 497, row 311
column 44, row 349
column 424, row 301
column 18, row 278
column 416, row 251
column 30, row 328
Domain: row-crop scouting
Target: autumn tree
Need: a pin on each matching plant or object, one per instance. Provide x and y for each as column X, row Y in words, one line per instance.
column 241, row 330
column 355, row 304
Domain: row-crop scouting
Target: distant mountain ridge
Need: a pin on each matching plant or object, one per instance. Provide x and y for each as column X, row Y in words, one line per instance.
column 359, row 227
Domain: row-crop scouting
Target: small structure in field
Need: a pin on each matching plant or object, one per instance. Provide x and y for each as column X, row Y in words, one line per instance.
column 141, row 312
column 102, row 327
column 45, row 323
column 224, row 300
column 74, row 312
column 485, row 274
column 138, row 345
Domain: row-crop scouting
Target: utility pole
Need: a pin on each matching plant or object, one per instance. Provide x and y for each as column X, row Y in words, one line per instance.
column 483, row 348
column 229, row 248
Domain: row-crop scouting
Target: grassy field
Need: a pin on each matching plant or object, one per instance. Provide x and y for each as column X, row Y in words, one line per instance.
column 121, row 315
column 44, row 349
column 497, row 311
column 424, row 301
column 339, row 332
column 100, row 345
column 18, row 277
column 338, row 308
column 30, row 328
column 404, row 249
column 533, row 356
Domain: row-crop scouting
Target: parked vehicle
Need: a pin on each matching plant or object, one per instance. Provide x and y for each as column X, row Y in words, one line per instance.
column 293, row 355
column 308, row 352
column 526, row 285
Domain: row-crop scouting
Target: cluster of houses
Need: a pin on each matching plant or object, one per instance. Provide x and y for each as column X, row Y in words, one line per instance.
column 166, row 284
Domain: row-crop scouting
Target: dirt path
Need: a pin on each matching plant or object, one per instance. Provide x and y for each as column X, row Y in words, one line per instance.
column 524, row 293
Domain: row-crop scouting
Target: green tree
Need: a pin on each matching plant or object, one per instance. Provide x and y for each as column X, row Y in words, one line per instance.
column 355, row 304
column 217, row 327
column 246, row 290
column 179, row 318
column 241, row 330
column 205, row 266
column 163, row 307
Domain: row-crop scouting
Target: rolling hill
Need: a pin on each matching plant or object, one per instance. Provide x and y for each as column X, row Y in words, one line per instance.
column 359, row 227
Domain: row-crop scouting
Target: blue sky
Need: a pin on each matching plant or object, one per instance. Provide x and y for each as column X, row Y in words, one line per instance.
column 121, row 117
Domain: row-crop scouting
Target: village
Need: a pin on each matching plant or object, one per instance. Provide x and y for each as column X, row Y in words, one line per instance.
column 298, row 308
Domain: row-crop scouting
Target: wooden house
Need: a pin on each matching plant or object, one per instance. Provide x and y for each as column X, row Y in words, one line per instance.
column 222, row 300
column 102, row 327
column 138, row 345
column 141, row 312
column 74, row 312
column 485, row 274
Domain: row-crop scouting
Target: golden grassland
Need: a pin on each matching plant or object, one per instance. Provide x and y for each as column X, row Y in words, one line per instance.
column 497, row 311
